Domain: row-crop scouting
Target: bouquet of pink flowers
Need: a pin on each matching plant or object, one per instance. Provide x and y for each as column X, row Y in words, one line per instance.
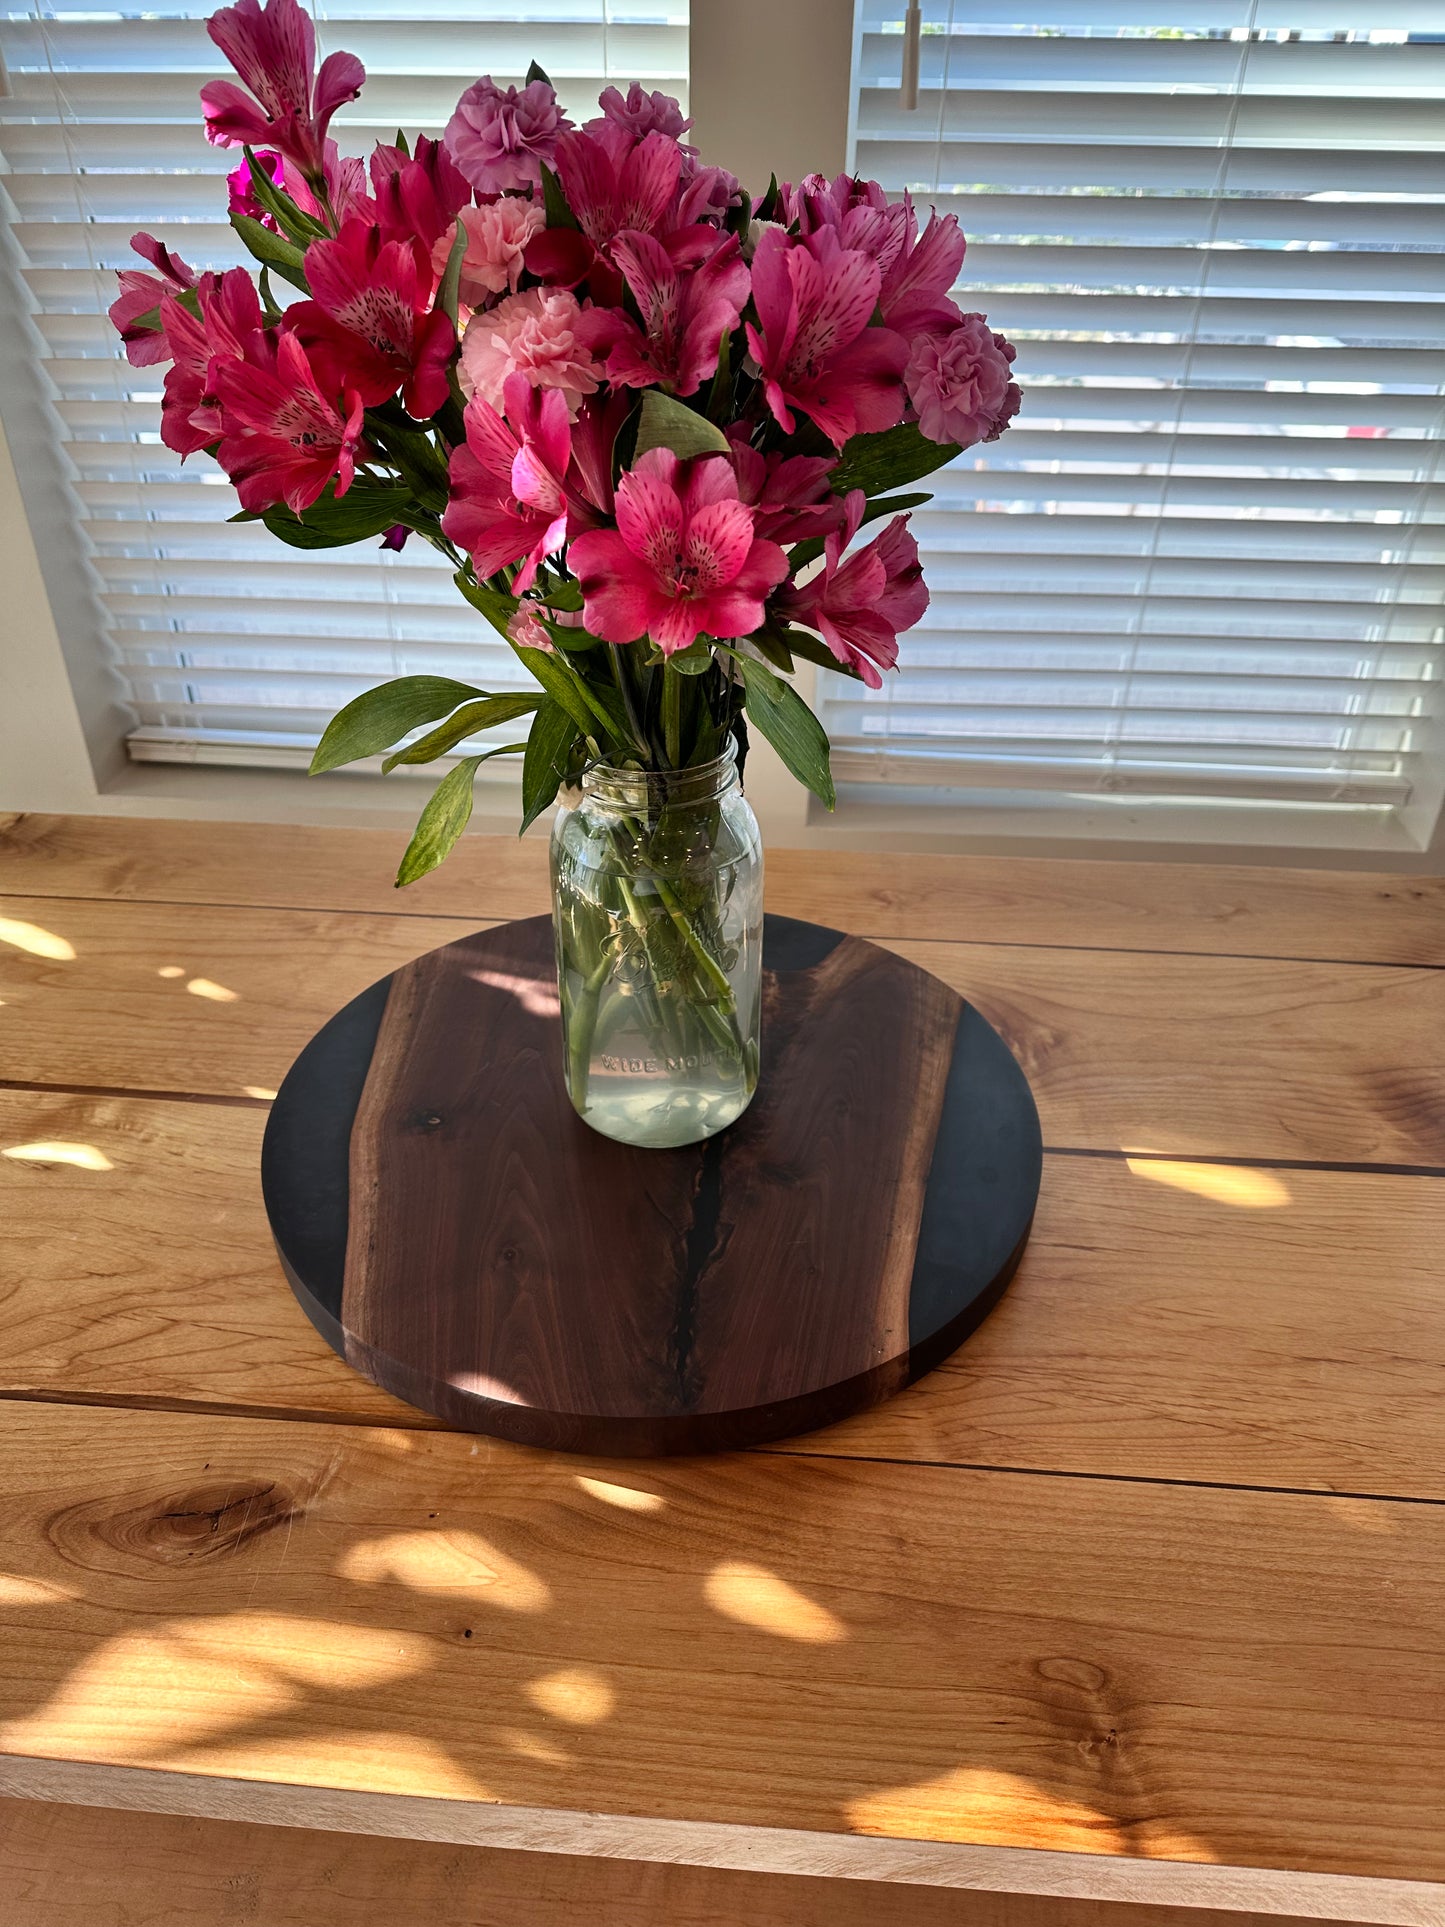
column 633, row 405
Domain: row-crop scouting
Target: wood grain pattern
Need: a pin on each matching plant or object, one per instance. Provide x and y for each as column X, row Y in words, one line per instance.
column 75, row 1866
column 1203, row 1056
column 1232, row 1057
column 506, row 1268
column 1237, row 910
column 181, row 998
column 1158, row 1313
column 1020, row 1661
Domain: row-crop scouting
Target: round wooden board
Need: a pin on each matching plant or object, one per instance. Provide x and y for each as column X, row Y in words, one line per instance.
column 459, row 1235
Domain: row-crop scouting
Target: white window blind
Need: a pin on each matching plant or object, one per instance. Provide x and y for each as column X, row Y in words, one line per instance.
column 234, row 648
column 1207, row 560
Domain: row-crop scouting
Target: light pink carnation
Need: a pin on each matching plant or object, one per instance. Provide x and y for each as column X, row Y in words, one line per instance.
column 496, row 239
column 959, row 382
column 500, row 137
column 535, row 335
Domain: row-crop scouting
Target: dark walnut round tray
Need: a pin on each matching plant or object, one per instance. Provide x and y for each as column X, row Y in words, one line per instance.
column 457, row 1233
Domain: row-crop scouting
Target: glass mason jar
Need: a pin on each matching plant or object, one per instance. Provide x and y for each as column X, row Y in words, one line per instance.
column 657, row 901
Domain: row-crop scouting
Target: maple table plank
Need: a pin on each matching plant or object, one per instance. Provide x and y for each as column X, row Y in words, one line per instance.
column 942, row 1655
column 1248, row 1058
column 1236, row 910
column 1161, row 1307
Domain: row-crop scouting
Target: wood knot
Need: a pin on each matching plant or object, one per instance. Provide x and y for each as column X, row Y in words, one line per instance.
column 425, row 1121
column 1080, row 1673
column 206, row 1522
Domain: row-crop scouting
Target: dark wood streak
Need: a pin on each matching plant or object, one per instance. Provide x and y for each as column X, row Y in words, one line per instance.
column 506, row 1268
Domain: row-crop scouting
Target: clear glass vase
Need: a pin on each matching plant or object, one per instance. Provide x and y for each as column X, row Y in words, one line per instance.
column 657, row 898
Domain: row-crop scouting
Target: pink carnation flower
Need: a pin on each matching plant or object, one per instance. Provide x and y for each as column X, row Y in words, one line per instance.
column 642, row 113
column 959, row 382
column 536, row 335
column 497, row 238
column 500, row 138
column 683, row 561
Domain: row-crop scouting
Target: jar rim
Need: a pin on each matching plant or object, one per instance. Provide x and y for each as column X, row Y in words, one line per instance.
column 695, row 783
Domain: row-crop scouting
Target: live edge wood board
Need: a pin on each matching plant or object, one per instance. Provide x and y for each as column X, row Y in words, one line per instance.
column 460, row 1236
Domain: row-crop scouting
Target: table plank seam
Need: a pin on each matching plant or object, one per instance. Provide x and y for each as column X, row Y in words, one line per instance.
column 1340, row 1167
column 234, row 1100
column 484, row 916
column 788, row 1449
column 407, row 1422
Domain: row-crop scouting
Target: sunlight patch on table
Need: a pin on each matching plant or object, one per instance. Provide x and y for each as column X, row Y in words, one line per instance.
column 447, row 1563
column 1241, row 1186
column 85, row 1157
column 36, row 941
column 990, row 1808
column 756, row 1597
column 212, row 992
column 578, row 1694
column 631, row 1498
column 18, row 1590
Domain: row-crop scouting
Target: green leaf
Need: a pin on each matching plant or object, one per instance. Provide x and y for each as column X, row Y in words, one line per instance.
column 554, row 201
column 402, row 143
column 485, row 713
column 806, row 552
column 879, row 462
column 586, row 702
column 774, row 648
column 667, row 423
column 789, row 725
column 534, row 72
column 448, row 811
column 275, row 250
column 544, row 766
column 768, row 205
column 695, row 660
column 802, row 642
column 719, row 402
column 449, row 291
column 296, row 224
column 495, row 604
column 366, row 510
column 379, row 717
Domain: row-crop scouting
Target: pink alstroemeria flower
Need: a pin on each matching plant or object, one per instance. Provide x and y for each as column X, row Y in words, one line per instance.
column 815, row 347
column 858, row 211
column 860, row 604
column 418, row 196
column 509, row 499
column 683, row 561
column 229, row 321
column 788, row 494
column 914, row 295
column 615, row 184
column 500, row 138
column 369, row 322
column 141, row 294
column 691, row 291
column 283, row 438
column 273, row 49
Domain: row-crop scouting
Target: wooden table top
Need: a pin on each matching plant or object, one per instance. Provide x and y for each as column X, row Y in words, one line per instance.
column 1149, row 1576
